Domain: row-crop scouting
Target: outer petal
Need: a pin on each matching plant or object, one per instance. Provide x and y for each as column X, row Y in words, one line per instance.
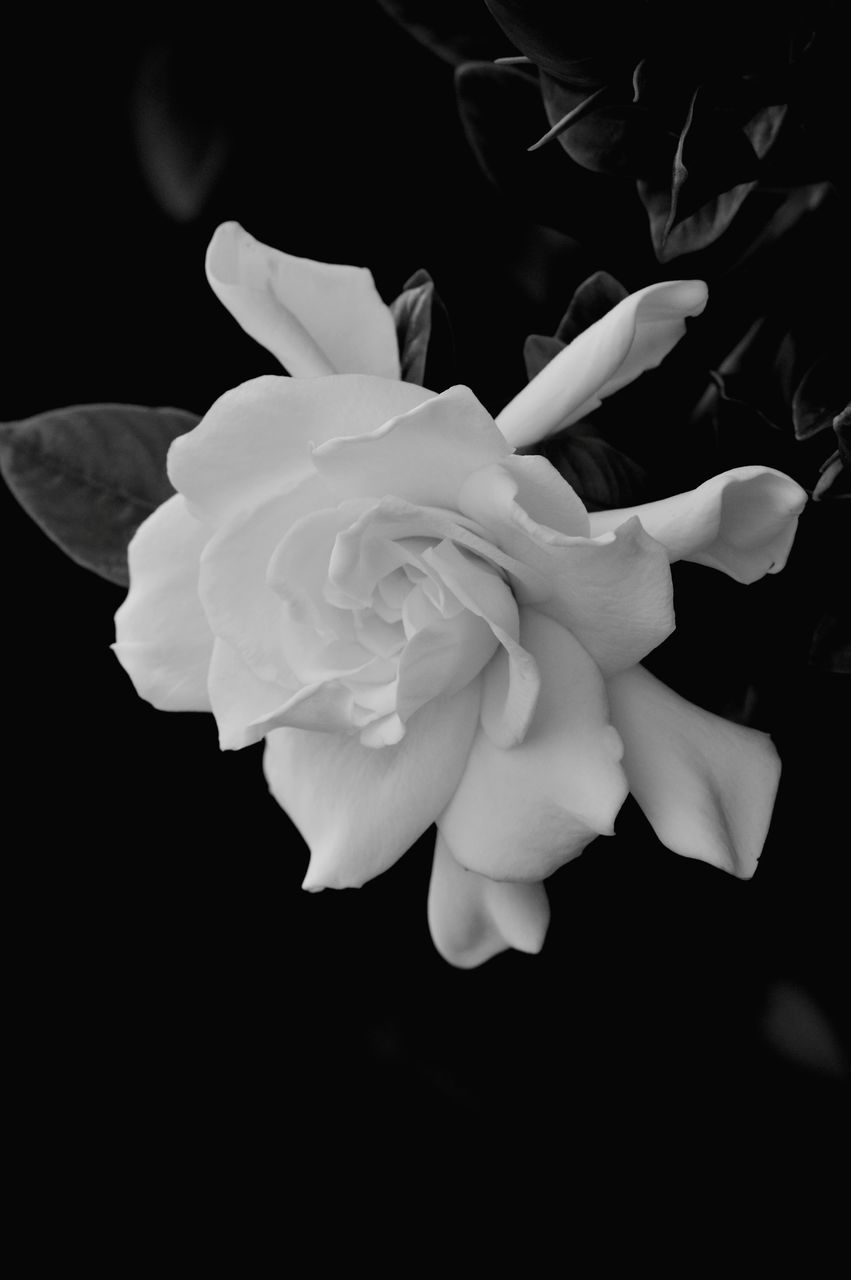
column 359, row 808
column 424, row 456
column 520, row 813
column 316, row 317
column 706, row 785
column 163, row 641
column 239, row 699
column 633, row 337
column 472, row 918
column 254, row 443
column 742, row 521
column 613, row 593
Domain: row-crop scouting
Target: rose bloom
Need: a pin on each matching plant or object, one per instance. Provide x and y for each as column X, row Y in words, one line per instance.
column 426, row 627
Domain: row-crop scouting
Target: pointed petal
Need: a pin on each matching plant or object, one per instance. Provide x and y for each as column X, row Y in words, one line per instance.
column 316, row 317
column 255, row 441
column 633, row 337
column 706, row 785
column 360, row 808
column 163, row 641
column 520, row 813
column 742, row 522
column 472, row 918
column 423, row 456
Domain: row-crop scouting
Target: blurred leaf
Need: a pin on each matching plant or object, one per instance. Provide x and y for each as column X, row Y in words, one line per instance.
column 831, row 646
column 411, row 312
column 604, row 477
column 182, row 146
column 456, row 30
column 821, row 393
column 90, row 474
column 591, row 301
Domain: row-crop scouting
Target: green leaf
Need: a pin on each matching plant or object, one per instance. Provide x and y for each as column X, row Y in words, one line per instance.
column 604, row 477
column 411, row 312
column 89, row 475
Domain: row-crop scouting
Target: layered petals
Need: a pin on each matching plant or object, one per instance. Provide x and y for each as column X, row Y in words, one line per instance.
column 520, row 813
column 255, row 442
column 633, row 337
column 359, row 808
column 614, row 592
column 163, row 640
column 424, row 456
column 742, row 521
column 472, row 918
column 316, row 317
column 706, row 785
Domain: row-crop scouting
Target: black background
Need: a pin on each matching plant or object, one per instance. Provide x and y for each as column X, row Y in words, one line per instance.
column 177, row 1001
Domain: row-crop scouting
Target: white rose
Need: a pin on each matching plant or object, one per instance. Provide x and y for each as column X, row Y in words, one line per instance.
column 427, row 627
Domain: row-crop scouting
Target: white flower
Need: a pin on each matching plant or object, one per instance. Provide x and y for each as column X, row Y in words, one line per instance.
column 427, row 627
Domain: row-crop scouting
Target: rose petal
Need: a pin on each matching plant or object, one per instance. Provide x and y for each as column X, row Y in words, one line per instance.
column 316, row 317
column 520, row 813
column 633, row 337
column 706, row 785
column 423, row 456
column 613, row 593
column 472, row 918
column 163, row 641
column 254, row 443
column 360, row 808
column 742, row 522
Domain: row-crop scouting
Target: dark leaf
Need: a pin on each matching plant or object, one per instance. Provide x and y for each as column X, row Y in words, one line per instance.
column 604, row 477
column 605, row 135
column 831, row 647
column 715, row 168
column 538, row 351
column 411, row 312
column 821, row 393
column 456, row 30
column 90, row 474
column 591, row 301
column 502, row 114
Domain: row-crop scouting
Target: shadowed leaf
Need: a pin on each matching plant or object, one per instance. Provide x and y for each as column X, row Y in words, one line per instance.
column 89, row 475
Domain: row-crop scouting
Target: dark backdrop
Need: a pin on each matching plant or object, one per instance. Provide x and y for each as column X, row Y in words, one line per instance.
column 177, row 999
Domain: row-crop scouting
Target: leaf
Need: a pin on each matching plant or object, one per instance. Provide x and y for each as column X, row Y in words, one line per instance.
column 456, row 32
column 820, row 394
column 502, row 114
column 602, row 475
column 411, row 312
column 591, row 301
column 715, row 169
column 89, row 475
